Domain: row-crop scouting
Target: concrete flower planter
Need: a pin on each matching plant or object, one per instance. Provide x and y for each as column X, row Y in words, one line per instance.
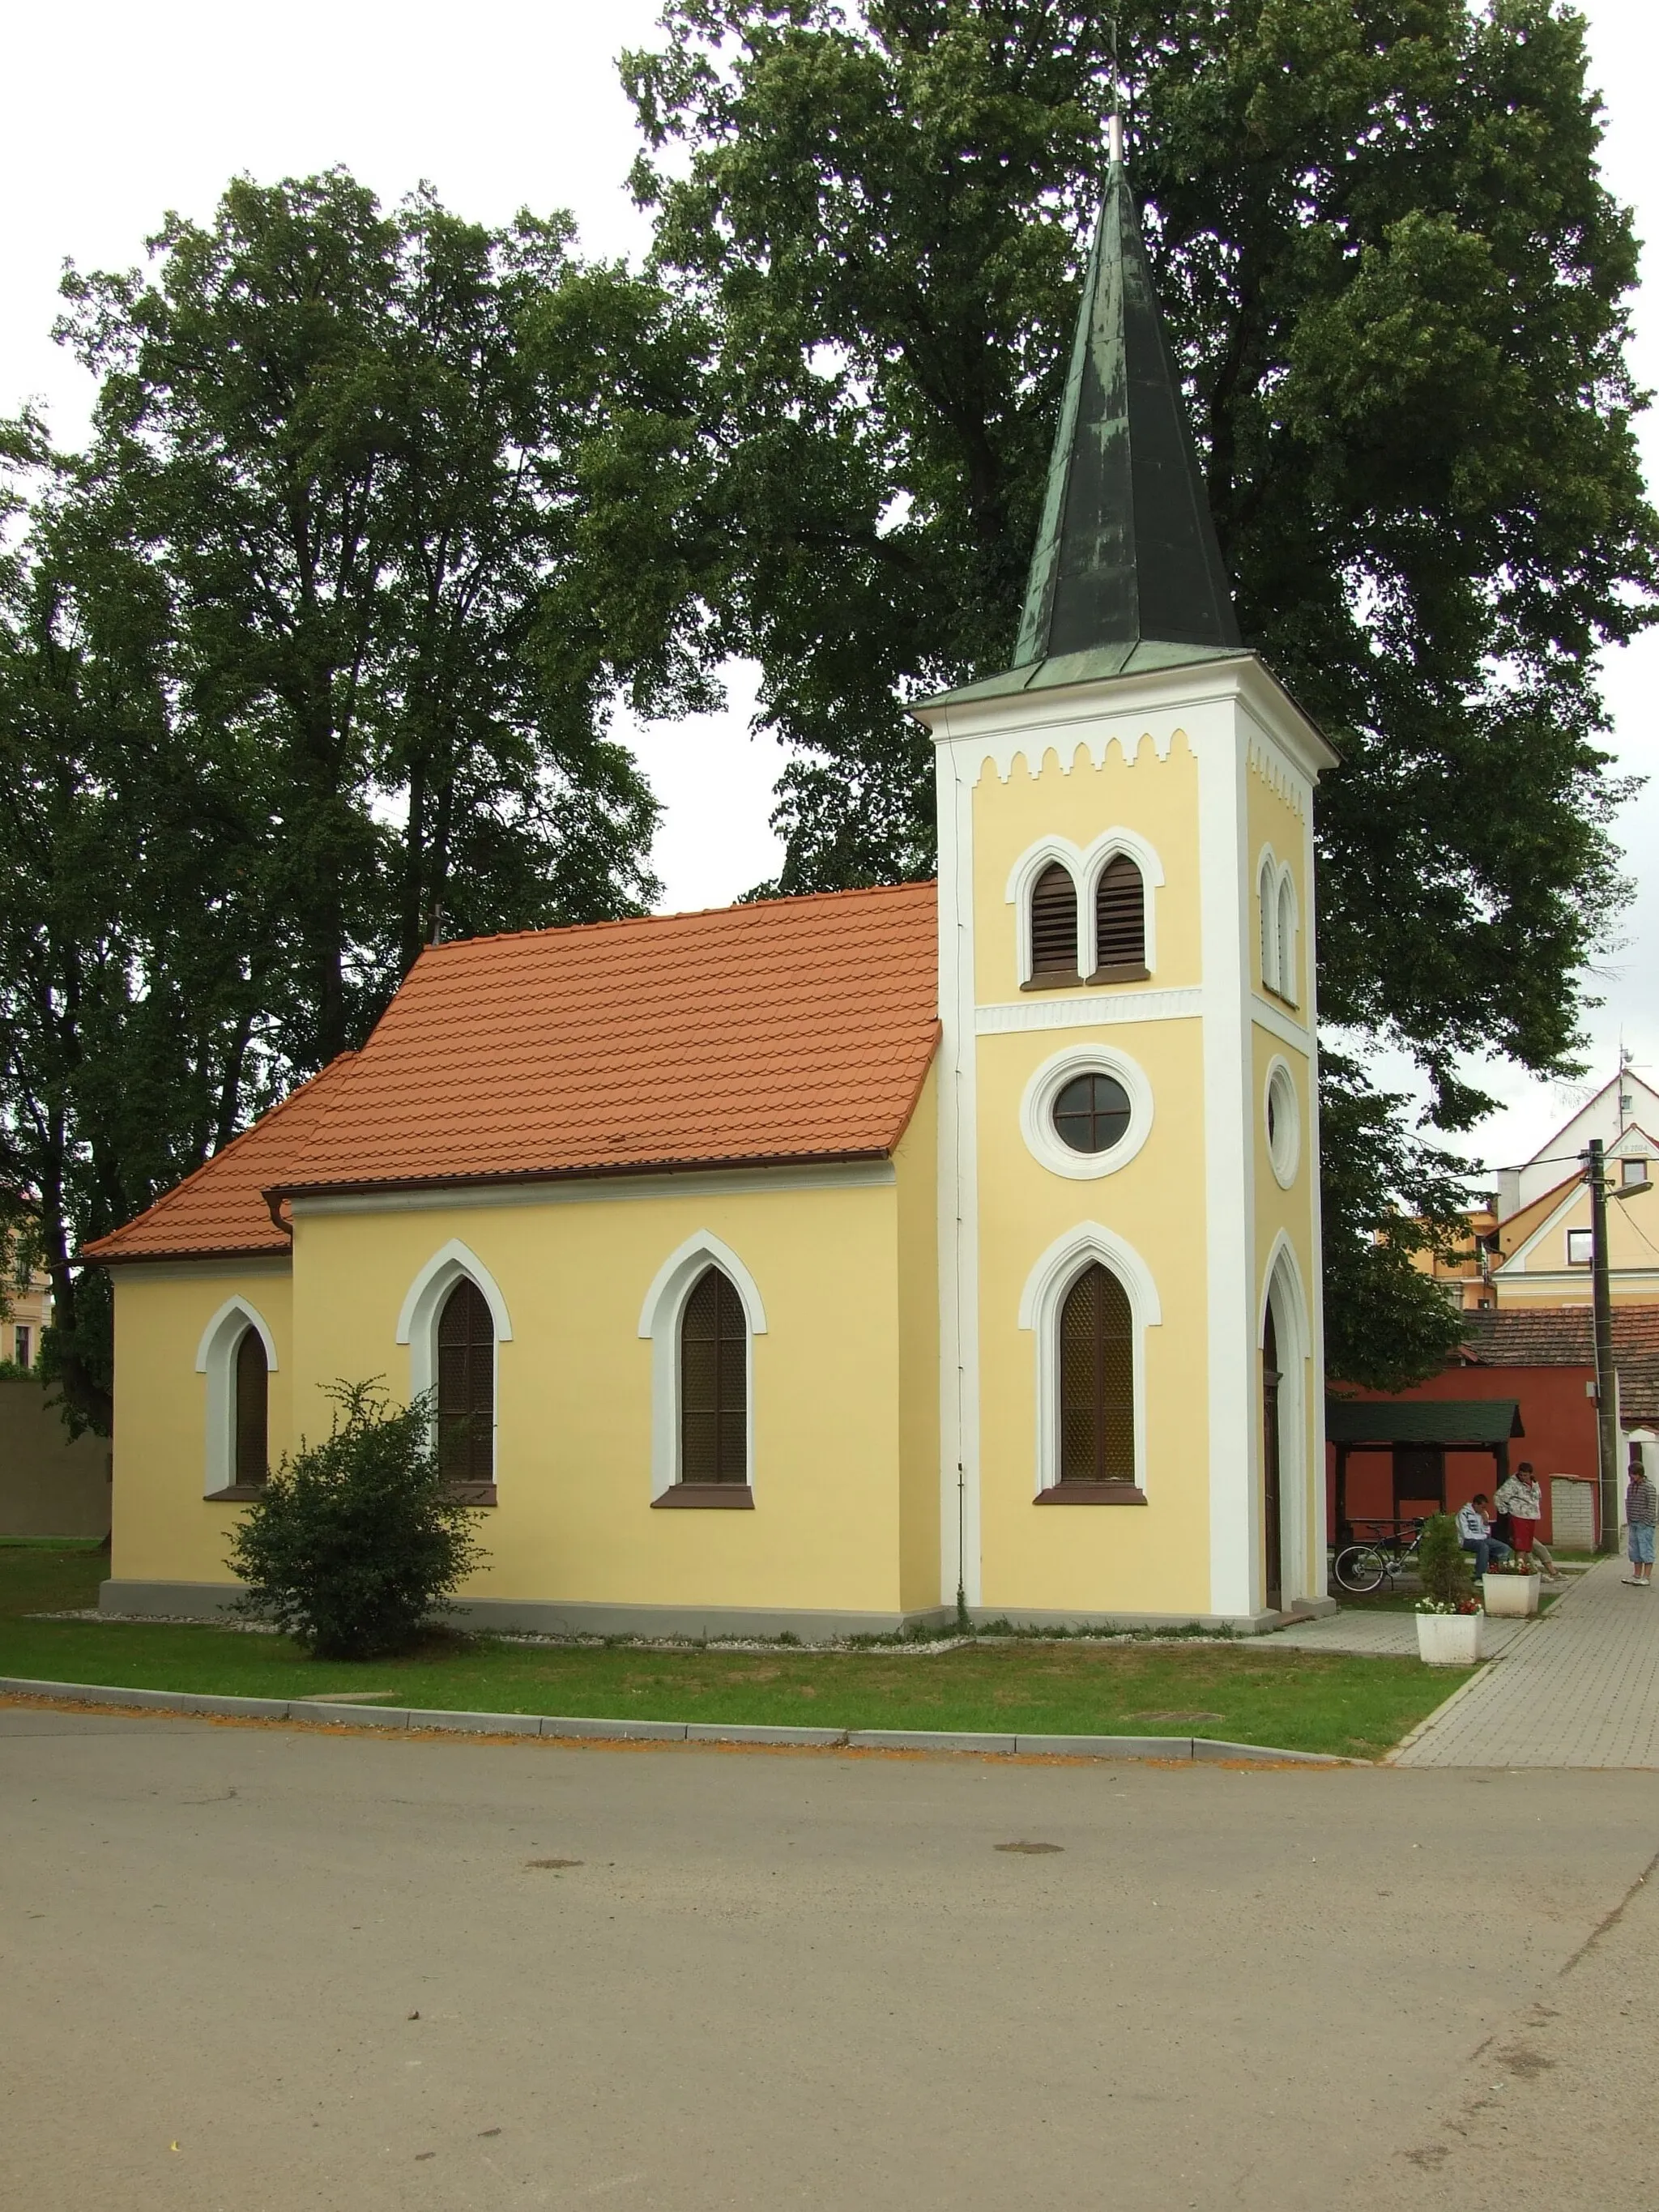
column 1448, row 1639
column 1511, row 1597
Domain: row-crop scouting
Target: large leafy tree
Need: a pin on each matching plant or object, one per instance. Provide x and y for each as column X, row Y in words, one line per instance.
column 1396, row 287
column 351, row 445
column 309, row 658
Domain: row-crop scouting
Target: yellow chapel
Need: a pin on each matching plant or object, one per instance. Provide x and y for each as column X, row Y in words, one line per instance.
column 828, row 1264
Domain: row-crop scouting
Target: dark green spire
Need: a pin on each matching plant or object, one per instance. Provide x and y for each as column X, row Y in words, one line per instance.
column 1127, row 572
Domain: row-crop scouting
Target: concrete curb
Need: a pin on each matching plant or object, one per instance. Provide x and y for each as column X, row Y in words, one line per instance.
column 319, row 1713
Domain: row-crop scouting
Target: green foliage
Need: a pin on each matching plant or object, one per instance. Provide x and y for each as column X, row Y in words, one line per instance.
column 1396, row 287
column 1442, row 1564
column 308, row 659
column 354, row 1544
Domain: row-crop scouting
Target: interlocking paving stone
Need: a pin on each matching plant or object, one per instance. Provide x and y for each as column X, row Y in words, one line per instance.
column 1383, row 1635
column 1578, row 1688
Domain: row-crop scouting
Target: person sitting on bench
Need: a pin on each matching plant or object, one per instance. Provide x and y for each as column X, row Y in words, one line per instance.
column 1474, row 1523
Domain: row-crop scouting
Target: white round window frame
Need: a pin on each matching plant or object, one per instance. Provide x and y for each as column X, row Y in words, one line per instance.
column 1044, row 1142
column 1282, row 1123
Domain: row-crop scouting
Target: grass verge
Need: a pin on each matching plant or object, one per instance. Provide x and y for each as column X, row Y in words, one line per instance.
column 1247, row 1693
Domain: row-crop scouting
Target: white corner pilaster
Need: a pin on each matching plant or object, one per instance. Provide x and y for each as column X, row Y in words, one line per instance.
column 958, row 1199
column 1218, row 742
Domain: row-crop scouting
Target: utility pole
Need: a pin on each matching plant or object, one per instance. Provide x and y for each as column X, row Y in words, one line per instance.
column 1607, row 1406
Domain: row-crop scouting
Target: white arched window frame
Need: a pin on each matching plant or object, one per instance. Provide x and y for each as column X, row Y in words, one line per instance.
column 215, row 1358
column 1282, row 1290
column 422, row 1309
column 1084, row 864
column 659, row 1321
column 1046, row 1291
column 1100, row 852
column 1023, row 881
column 1267, row 893
column 1285, row 935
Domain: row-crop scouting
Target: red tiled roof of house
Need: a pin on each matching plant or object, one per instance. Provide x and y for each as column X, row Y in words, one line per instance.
column 789, row 1031
column 220, row 1210
column 1564, row 1336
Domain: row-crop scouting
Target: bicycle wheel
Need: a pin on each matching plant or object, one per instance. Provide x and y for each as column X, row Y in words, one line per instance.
column 1361, row 1568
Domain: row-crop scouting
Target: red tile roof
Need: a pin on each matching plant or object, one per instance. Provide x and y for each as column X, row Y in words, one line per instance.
column 1564, row 1336
column 789, row 1031
column 221, row 1209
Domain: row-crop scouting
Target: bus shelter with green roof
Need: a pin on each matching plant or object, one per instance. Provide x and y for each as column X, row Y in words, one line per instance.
column 1417, row 1433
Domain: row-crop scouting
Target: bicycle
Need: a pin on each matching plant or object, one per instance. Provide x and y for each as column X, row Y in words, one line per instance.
column 1364, row 1567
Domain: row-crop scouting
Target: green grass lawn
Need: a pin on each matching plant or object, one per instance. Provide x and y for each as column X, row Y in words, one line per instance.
column 1248, row 1692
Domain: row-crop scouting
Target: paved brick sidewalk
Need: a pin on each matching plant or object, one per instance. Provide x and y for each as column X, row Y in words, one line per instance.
column 1578, row 1688
column 1382, row 1635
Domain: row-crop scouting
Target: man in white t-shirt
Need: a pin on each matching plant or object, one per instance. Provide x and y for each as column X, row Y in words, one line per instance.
column 1474, row 1523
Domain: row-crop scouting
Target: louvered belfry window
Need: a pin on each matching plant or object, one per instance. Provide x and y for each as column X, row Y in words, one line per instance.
column 714, row 1383
column 1097, row 1381
column 1121, row 917
column 252, row 1399
column 1054, row 923
column 466, row 1386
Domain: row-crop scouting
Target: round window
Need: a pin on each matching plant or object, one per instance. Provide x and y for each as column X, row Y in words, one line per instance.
column 1284, row 1119
column 1091, row 1113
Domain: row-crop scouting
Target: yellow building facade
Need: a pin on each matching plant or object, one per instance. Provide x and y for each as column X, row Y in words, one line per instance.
column 833, row 1264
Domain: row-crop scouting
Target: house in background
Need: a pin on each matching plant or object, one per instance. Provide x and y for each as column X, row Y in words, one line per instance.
column 817, row 1264
column 27, row 1317
column 1521, row 1386
column 1529, row 1242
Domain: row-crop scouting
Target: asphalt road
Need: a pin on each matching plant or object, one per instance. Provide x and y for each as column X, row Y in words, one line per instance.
column 256, row 1969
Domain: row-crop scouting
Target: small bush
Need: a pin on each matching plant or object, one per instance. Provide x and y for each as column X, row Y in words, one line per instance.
column 1442, row 1562
column 354, row 1544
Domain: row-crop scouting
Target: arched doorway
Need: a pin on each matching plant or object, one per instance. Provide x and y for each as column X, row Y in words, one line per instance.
column 1272, row 1544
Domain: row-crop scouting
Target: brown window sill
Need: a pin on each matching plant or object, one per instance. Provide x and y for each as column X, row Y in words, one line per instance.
column 1054, row 983
column 689, row 1497
column 472, row 1493
column 1122, row 971
column 1093, row 1493
column 1270, row 991
column 236, row 1493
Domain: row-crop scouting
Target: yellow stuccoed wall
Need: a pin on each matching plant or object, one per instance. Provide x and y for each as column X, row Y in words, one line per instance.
column 575, row 1522
column 1094, row 1559
column 163, row 1530
column 1071, row 798
column 917, row 1165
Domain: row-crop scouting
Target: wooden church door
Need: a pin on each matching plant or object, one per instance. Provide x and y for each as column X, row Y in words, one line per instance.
column 1270, row 1516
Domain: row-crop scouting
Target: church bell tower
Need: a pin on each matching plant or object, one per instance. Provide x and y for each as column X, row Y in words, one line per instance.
column 1132, row 1379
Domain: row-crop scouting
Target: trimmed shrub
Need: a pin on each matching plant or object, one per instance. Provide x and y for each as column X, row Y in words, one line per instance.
column 354, row 1543
column 1442, row 1562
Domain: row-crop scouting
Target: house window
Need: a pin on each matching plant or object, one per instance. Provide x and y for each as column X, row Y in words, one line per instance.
column 1287, row 979
column 466, row 1388
column 1091, row 1113
column 1632, row 1171
column 22, row 1346
column 1578, row 1247
column 1097, row 1381
column 1120, row 923
column 1268, row 924
column 1283, row 1124
column 251, row 1383
column 714, row 1383
column 1054, row 927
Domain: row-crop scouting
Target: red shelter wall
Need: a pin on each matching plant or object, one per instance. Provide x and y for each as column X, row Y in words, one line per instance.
column 1558, row 1416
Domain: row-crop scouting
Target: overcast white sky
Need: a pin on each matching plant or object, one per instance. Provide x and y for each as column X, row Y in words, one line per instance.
column 117, row 113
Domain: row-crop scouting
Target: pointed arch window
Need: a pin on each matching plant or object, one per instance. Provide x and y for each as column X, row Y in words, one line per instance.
column 251, row 1413
column 714, row 1383
column 1269, row 924
column 1096, row 1384
column 1286, row 935
column 1120, row 923
column 466, row 1388
column 1054, row 927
